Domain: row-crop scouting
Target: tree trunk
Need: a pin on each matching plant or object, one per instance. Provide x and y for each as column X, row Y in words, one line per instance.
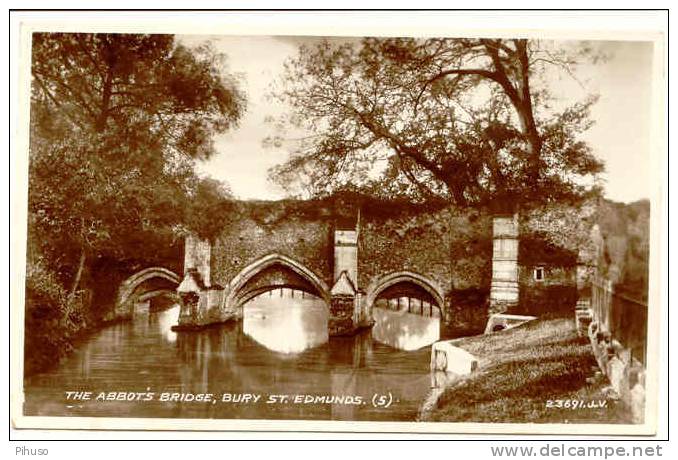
column 78, row 275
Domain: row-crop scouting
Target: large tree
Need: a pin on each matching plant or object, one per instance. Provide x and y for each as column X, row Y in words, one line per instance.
column 471, row 121
column 117, row 121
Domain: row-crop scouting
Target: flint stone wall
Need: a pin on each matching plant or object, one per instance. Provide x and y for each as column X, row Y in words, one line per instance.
column 297, row 230
column 451, row 248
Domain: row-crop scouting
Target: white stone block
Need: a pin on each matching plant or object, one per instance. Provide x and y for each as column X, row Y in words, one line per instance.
column 638, row 403
column 615, row 373
column 448, row 358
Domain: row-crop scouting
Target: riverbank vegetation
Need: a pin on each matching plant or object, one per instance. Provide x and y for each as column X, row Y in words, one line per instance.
column 117, row 122
column 531, row 374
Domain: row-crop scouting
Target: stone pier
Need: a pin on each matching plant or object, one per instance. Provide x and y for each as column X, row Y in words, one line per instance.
column 204, row 303
column 201, row 302
column 344, row 295
column 504, row 288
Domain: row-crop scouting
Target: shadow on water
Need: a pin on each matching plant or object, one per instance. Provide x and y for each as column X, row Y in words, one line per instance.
column 277, row 350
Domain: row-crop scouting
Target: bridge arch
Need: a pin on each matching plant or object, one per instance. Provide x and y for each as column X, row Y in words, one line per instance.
column 172, row 294
column 128, row 288
column 392, row 279
column 238, row 294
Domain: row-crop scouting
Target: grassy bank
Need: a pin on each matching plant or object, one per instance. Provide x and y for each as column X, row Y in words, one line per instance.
column 521, row 370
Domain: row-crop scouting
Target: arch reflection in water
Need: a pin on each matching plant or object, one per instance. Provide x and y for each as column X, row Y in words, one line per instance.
column 404, row 331
column 406, row 323
column 144, row 353
column 286, row 321
column 406, row 310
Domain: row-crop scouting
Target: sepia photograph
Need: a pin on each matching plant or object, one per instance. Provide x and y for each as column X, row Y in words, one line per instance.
column 450, row 231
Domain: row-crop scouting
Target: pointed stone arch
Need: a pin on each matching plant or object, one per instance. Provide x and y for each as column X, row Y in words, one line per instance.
column 127, row 291
column 234, row 298
column 391, row 279
column 129, row 286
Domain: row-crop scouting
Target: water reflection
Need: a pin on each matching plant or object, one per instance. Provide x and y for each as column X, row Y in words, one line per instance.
column 142, row 308
column 165, row 322
column 236, row 359
column 403, row 330
column 286, row 323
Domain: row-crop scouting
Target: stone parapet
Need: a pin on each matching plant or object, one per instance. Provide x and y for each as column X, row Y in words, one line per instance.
column 583, row 315
column 625, row 374
column 499, row 322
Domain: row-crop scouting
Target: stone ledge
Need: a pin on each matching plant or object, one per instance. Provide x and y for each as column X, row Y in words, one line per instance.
column 501, row 321
column 450, row 359
column 625, row 374
column 448, row 365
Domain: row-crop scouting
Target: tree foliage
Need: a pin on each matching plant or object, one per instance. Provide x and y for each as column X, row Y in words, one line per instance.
column 137, row 84
column 117, row 121
column 468, row 120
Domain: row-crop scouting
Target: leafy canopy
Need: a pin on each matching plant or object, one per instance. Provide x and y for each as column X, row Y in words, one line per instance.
column 117, row 121
column 471, row 121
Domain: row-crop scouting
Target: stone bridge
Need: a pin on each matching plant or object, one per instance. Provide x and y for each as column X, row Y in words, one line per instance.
column 145, row 285
column 352, row 256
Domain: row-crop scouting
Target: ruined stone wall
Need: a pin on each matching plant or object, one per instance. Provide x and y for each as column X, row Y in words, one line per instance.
column 299, row 230
column 416, row 242
column 555, row 293
column 452, row 249
column 623, row 247
column 557, row 239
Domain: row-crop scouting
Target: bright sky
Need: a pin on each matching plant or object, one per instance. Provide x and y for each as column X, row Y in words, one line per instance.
column 620, row 137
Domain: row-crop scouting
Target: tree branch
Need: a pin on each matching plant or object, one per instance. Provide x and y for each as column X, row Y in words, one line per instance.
column 461, row 72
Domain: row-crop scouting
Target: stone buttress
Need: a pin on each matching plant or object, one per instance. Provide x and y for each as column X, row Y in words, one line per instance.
column 504, row 289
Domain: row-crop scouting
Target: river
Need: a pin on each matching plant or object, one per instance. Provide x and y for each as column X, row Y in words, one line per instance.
column 279, row 352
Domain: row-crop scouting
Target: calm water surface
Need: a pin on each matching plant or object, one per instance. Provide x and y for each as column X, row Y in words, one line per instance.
column 280, row 348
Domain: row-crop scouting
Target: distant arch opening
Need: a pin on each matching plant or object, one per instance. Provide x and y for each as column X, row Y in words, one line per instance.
column 407, row 291
column 407, row 310
column 149, row 287
column 284, row 305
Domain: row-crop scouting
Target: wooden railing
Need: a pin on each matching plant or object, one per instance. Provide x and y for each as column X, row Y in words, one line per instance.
column 623, row 317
